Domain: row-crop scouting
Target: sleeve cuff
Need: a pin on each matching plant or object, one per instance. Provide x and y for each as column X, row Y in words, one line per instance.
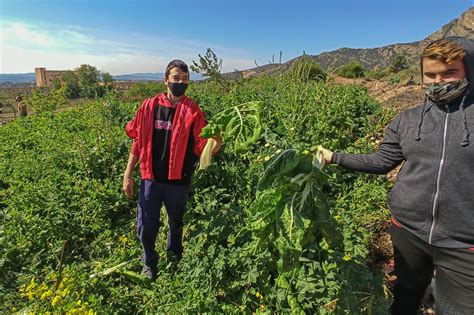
column 335, row 158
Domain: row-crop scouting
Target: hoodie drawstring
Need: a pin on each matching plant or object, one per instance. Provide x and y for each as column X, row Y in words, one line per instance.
column 465, row 132
column 424, row 110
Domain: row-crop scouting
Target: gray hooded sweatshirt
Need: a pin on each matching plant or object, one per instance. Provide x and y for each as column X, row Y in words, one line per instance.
column 433, row 197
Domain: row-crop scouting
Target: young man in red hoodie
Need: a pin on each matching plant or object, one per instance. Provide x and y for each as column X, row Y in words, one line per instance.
column 167, row 141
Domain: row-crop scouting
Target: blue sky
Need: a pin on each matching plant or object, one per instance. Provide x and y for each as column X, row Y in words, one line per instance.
column 126, row 36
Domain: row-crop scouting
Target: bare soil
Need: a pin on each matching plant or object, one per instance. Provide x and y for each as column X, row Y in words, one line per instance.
column 400, row 96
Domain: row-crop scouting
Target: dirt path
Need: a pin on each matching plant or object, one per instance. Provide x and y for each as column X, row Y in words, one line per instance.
column 399, row 95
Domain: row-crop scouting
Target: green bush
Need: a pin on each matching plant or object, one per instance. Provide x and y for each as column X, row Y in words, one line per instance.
column 142, row 90
column 398, row 63
column 305, row 69
column 352, row 69
column 394, row 79
column 71, row 82
column 41, row 102
column 377, row 74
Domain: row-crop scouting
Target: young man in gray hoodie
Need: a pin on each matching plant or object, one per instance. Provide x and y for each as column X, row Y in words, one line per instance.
column 432, row 202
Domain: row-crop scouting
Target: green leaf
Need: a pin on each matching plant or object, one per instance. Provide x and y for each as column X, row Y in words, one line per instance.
column 280, row 164
column 240, row 125
column 282, row 282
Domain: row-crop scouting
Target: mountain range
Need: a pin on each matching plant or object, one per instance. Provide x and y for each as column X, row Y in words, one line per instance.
column 151, row 76
column 373, row 58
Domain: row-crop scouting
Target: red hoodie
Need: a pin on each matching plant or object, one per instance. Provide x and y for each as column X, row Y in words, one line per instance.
column 140, row 129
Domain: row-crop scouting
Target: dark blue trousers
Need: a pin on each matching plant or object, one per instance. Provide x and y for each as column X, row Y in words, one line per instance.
column 152, row 195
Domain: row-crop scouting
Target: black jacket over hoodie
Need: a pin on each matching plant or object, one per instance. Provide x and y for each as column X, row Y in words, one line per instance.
column 433, row 196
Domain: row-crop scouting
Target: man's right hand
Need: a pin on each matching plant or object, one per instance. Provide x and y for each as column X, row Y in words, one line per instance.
column 327, row 155
column 128, row 184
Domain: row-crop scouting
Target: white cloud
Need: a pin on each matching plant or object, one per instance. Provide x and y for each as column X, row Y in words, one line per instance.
column 29, row 45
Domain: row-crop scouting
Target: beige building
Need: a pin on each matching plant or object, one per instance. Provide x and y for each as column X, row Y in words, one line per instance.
column 46, row 77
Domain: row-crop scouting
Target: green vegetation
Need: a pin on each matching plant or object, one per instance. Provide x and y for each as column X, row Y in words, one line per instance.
column 266, row 231
column 142, row 90
column 305, row 69
column 41, row 101
column 84, row 82
column 210, row 67
column 377, row 74
column 71, row 82
column 352, row 69
column 394, row 79
column 398, row 63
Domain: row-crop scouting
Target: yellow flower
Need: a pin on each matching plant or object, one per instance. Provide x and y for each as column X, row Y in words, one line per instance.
column 55, row 301
column 32, row 285
column 347, row 257
column 123, row 239
column 267, row 158
column 267, row 145
column 46, row 295
column 65, row 292
column 306, row 152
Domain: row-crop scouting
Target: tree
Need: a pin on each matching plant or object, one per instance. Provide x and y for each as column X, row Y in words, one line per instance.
column 56, row 84
column 107, row 78
column 210, row 66
column 398, row 63
column 352, row 69
column 89, row 78
column 71, row 82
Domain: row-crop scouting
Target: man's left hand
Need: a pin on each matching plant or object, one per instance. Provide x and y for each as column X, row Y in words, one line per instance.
column 218, row 139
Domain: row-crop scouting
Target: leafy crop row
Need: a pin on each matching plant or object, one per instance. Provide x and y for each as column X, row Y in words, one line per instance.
column 265, row 230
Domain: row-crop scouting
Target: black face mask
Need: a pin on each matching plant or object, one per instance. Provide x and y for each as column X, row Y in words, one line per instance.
column 177, row 89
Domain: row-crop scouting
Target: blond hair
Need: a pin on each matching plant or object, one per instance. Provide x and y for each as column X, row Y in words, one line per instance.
column 444, row 50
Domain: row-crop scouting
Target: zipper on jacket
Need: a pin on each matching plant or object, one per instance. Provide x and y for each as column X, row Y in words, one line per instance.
column 164, row 145
column 177, row 143
column 438, row 178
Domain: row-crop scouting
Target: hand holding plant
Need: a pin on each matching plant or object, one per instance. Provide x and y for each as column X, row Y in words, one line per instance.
column 325, row 154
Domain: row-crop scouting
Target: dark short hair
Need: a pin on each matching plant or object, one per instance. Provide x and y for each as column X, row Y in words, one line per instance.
column 176, row 64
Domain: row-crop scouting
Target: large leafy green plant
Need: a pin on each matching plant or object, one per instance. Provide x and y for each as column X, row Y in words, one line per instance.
column 239, row 124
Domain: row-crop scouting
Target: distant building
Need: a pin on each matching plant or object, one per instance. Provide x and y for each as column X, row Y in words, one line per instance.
column 46, row 77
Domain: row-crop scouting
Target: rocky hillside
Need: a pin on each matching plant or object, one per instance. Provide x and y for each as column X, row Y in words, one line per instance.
column 375, row 58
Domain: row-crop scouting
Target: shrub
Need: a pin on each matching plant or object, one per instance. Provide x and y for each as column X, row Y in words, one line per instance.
column 305, row 69
column 142, row 90
column 352, row 69
column 398, row 63
column 42, row 102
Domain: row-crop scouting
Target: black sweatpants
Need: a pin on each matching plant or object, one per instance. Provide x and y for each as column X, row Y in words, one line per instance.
column 415, row 261
column 152, row 195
